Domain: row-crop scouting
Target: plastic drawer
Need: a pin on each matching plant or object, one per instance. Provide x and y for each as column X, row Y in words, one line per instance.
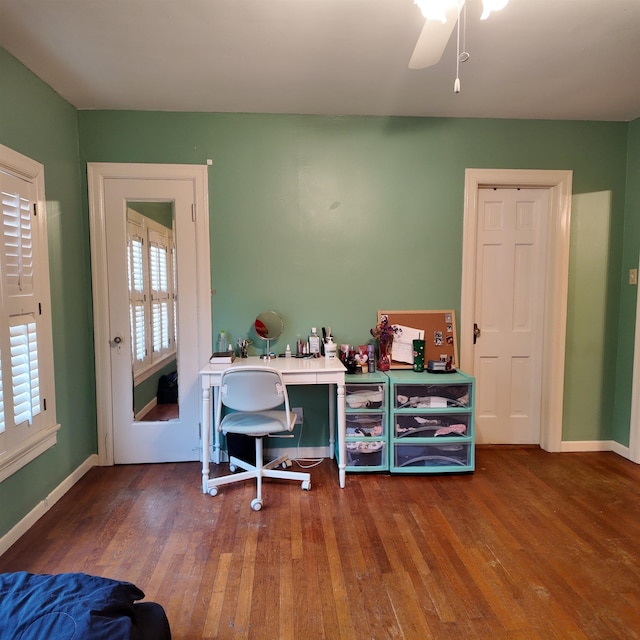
column 367, row 455
column 432, row 425
column 431, row 396
column 447, row 456
column 364, row 396
column 370, row 425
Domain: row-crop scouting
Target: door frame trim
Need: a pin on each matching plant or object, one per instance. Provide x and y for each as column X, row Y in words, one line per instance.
column 634, row 419
column 97, row 174
column 559, row 184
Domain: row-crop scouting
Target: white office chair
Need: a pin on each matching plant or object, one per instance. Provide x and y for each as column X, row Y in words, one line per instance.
column 259, row 402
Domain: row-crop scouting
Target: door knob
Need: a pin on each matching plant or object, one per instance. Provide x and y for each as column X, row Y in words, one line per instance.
column 117, row 340
column 476, row 332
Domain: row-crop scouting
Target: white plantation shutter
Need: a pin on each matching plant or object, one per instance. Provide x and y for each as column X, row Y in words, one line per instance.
column 174, row 283
column 27, row 391
column 159, row 275
column 18, row 243
column 138, row 335
column 136, row 264
column 159, row 266
column 25, row 378
column 137, row 303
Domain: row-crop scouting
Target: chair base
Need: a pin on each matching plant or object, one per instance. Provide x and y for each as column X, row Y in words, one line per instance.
column 258, row 471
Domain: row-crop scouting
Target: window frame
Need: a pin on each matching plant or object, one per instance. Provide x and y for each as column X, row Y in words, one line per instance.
column 22, row 443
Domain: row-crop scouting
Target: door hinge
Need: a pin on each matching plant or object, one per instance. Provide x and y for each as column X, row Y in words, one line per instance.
column 193, row 212
column 35, row 208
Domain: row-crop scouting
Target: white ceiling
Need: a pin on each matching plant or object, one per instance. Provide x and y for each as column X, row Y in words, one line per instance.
column 550, row 59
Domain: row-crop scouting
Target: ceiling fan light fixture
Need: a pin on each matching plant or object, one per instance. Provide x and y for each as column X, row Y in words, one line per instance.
column 492, row 5
column 434, row 9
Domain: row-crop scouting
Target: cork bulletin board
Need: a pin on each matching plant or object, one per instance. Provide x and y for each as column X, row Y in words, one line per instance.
column 440, row 335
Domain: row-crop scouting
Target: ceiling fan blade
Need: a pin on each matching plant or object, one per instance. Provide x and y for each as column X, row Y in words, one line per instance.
column 432, row 41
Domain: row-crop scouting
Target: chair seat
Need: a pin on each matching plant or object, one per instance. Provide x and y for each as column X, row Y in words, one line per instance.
column 256, row 423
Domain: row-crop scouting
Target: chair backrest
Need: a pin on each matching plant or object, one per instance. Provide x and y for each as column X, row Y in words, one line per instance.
column 253, row 389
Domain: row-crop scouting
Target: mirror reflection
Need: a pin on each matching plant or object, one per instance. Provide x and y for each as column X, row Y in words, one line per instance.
column 268, row 326
column 151, row 259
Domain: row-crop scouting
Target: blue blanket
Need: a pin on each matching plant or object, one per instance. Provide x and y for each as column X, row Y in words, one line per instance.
column 70, row 606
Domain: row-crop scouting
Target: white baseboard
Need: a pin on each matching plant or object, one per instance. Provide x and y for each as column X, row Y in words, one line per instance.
column 311, row 453
column 143, row 412
column 586, row 445
column 597, row 445
column 621, row 450
column 42, row 507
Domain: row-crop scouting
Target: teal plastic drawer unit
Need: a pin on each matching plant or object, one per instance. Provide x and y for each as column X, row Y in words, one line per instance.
column 431, row 422
column 367, row 422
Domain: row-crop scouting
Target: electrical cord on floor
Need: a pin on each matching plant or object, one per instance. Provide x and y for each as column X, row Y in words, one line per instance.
column 309, row 463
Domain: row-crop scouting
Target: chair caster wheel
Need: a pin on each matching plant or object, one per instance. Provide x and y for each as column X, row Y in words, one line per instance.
column 256, row 504
column 286, row 464
column 232, row 468
column 213, row 491
column 306, row 485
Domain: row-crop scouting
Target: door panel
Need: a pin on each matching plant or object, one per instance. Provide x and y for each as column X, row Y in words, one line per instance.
column 510, row 290
column 152, row 441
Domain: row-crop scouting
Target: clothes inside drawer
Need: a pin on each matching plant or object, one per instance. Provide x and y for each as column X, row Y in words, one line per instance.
column 431, row 396
column 367, row 453
column 416, row 425
column 365, row 424
column 433, row 455
column 364, row 396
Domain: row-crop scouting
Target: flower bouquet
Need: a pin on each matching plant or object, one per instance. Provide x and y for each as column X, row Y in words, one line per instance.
column 384, row 333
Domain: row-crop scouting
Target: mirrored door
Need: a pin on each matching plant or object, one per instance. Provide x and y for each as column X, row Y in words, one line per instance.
column 153, row 310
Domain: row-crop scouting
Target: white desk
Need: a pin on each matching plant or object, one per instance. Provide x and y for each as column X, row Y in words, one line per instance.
column 294, row 371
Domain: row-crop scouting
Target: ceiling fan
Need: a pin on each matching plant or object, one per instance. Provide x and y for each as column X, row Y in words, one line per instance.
column 441, row 16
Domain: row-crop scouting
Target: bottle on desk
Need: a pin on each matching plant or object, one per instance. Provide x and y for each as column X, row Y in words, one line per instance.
column 222, row 342
column 330, row 348
column 314, row 343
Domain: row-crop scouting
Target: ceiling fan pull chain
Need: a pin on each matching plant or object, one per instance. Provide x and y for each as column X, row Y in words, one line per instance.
column 456, row 84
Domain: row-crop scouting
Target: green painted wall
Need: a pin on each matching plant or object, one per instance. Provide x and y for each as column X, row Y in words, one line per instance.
column 37, row 122
column 328, row 219
column 161, row 212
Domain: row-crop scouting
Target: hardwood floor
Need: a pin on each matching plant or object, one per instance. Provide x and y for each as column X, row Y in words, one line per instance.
column 531, row 546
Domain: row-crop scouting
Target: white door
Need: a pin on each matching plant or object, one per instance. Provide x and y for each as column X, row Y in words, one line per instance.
column 133, row 441
column 509, row 313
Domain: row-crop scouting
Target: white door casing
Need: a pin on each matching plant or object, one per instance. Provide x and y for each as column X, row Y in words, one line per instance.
column 634, row 427
column 111, row 186
column 509, row 309
column 552, row 347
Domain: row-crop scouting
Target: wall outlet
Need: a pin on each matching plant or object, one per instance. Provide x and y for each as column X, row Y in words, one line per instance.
column 633, row 276
column 299, row 414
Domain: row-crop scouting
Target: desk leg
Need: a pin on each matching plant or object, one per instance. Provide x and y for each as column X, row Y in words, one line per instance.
column 216, row 433
column 332, row 420
column 342, row 431
column 206, row 433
